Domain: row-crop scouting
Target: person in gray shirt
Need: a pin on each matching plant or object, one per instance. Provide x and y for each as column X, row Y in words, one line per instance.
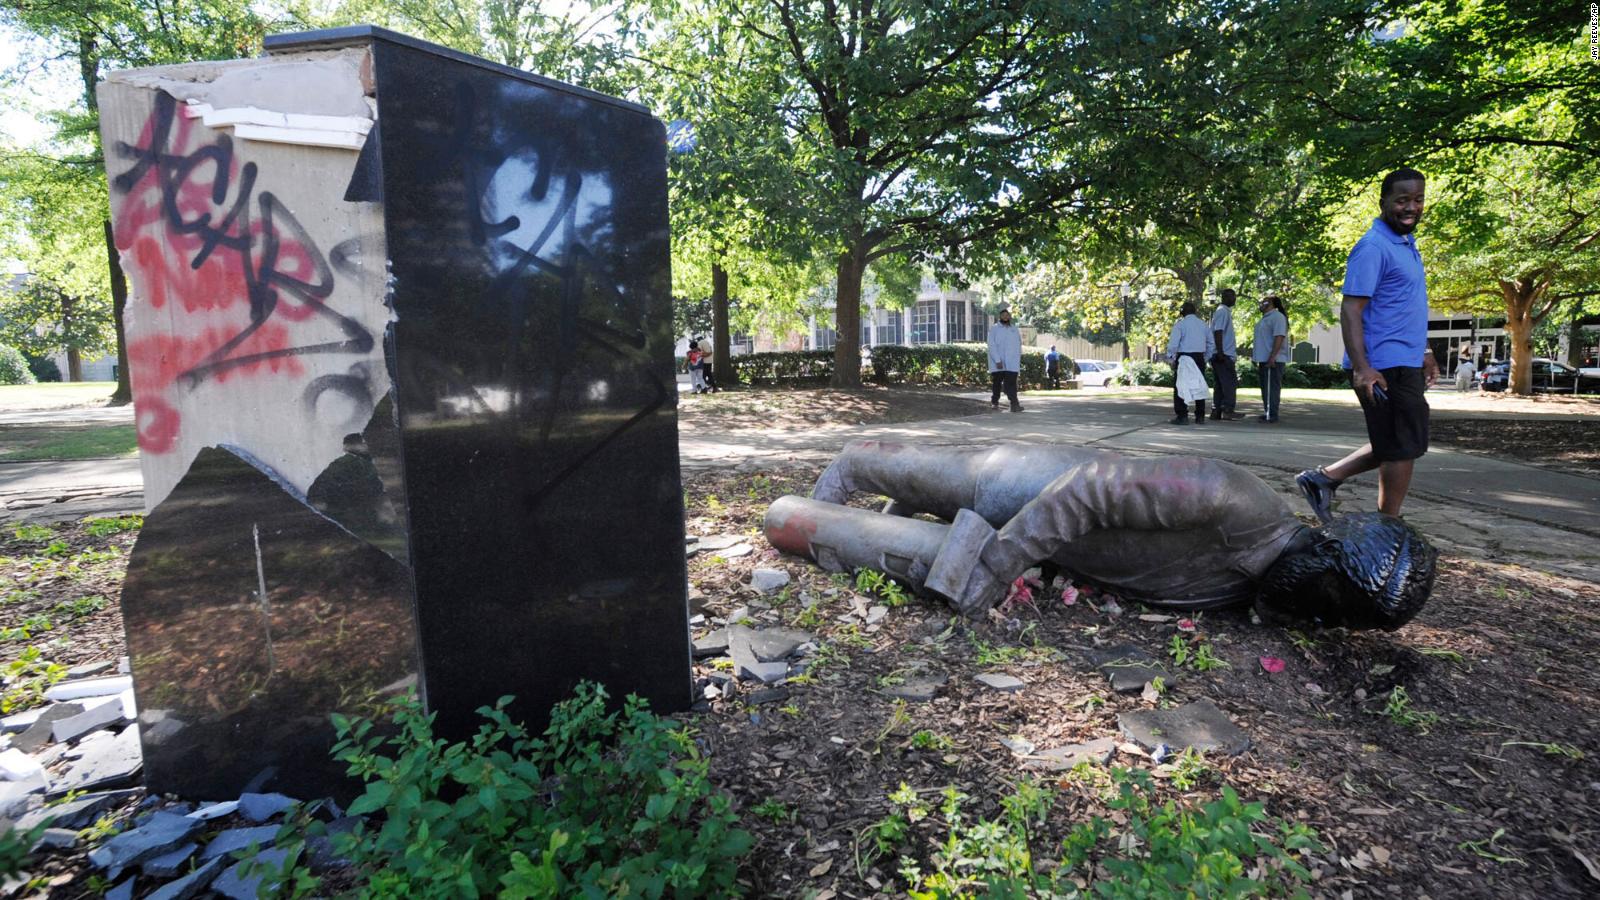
column 1269, row 350
column 1005, row 360
column 1223, row 360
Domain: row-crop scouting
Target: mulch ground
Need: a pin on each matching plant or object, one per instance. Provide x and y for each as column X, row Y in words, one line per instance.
column 1483, row 783
column 1568, row 443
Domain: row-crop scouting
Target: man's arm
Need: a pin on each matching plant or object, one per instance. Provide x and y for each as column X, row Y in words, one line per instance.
column 1430, row 366
column 1362, row 375
column 1277, row 348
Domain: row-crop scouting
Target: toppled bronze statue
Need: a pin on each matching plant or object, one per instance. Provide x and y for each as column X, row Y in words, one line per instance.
column 1184, row 533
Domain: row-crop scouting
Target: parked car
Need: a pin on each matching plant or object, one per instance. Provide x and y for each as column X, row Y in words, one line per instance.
column 1095, row 373
column 1549, row 377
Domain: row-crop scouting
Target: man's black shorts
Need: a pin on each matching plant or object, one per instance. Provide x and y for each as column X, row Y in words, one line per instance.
column 1397, row 424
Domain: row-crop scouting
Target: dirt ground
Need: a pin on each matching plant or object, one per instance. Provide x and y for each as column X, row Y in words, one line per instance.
column 1482, row 783
column 1453, row 758
column 1568, row 443
column 819, row 407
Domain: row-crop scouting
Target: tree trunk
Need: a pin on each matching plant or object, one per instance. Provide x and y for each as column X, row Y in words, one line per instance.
column 1194, row 282
column 119, row 302
column 847, row 317
column 721, row 342
column 1520, row 298
column 74, row 364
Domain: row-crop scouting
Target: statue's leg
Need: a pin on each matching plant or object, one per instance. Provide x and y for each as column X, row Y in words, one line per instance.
column 938, row 480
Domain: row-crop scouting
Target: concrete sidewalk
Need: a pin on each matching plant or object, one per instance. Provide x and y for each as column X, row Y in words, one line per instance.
column 1530, row 509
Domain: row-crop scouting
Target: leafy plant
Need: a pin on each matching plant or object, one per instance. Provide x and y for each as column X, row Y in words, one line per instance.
column 885, row 588
column 106, row 527
column 27, row 677
column 603, row 804
column 80, row 607
column 1178, row 649
column 930, row 740
column 33, row 534
column 1400, row 711
column 1550, row 748
column 1189, row 769
column 1205, row 662
column 1486, row 848
column 774, row 810
column 1225, row 848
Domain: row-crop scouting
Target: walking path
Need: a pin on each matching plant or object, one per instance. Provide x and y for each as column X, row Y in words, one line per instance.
column 1497, row 508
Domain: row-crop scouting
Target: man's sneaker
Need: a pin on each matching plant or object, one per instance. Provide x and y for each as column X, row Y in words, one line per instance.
column 1216, row 414
column 1318, row 489
column 1178, row 420
column 1199, row 420
column 1016, row 407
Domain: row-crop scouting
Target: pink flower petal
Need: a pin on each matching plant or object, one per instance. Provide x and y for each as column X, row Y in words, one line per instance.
column 1069, row 595
column 1186, row 625
column 1271, row 664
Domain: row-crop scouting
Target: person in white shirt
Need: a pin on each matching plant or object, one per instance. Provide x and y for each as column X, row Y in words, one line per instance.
column 1005, row 360
column 1465, row 370
column 1270, row 352
column 1223, row 361
column 1190, row 338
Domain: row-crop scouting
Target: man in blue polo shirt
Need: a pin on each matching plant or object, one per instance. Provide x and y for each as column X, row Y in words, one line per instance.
column 1384, row 320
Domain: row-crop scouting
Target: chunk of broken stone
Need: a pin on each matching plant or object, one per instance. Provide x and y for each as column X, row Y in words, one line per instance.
column 161, row 834
column 233, row 884
column 191, row 884
column 103, row 713
column 89, row 687
column 79, row 813
column 714, row 643
column 57, row 838
column 321, row 854
column 22, row 721
column 1005, row 684
column 18, row 766
column 767, row 644
column 40, row 733
column 1127, row 667
column 215, row 810
column 17, row 798
column 168, row 865
column 718, row 542
column 1098, row 751
column 1200, row 725
column 261, row 807
column 88, row 669
column 768, row 695
column 234, row 839
column 768, row 581
column 919, row 688
column 109, row 762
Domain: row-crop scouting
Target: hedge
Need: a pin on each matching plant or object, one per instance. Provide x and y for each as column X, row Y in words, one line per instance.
column 1296, row 375
column 940, row 364
column 13, row 368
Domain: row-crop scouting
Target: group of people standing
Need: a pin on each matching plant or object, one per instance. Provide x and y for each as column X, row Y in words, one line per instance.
column 1195, row 342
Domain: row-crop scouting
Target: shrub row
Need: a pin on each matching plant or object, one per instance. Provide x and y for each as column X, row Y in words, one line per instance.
column 939, row 364
column 1296, row 375
column 13, row 367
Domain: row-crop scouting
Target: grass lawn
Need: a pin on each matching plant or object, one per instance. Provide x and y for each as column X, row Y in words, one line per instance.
column 27, row 443
column 53, row 395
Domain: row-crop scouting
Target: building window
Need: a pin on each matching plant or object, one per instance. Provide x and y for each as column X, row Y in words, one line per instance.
column 889, row 326
column 823, row 338
column 741, row 343
column 866, row 332
column 980, row 324
column 925, row 322
column 955, row 321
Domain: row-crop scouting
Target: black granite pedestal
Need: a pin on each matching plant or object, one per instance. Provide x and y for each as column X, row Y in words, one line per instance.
column 507, row 517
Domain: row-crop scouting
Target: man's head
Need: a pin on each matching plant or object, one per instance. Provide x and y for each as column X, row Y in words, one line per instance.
column 1187, row 310
column 1004, row 315
column 1400, row 200
column 1363, row 571
column 1227, row 296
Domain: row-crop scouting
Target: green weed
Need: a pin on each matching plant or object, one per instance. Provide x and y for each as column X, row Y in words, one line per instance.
column 33, row 534
column 1400, row 711
column 27, row 677
column 603, row 804
column 106, row 527
column 775, row 811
